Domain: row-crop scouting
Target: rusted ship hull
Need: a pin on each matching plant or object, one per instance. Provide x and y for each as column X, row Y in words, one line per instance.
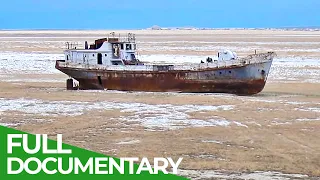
column 242, row 80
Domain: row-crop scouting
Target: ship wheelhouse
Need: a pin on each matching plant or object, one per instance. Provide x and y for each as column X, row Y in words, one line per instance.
column 106, row 51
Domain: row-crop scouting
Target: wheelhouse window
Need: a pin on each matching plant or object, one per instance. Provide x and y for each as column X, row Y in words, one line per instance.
column 128, row 47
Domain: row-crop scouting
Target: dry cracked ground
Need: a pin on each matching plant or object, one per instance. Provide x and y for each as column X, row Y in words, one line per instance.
column 274, row 134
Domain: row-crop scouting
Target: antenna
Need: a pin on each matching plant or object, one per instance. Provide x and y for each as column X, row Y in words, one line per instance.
column 67, row 45
column 85, row 45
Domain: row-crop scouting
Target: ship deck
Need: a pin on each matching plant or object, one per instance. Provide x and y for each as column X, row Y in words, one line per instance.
column 251, row 59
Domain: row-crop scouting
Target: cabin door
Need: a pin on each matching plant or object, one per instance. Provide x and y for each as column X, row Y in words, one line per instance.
column 99, row 58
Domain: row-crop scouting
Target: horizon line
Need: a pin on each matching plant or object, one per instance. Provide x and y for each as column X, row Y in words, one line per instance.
column 161, row 28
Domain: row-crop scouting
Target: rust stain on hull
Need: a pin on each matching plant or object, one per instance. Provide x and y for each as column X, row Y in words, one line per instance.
column 234, row 87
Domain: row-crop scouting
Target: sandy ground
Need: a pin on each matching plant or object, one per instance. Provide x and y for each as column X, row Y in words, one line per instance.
column 274, row 134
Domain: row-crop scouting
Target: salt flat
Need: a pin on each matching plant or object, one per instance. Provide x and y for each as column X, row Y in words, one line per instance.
column 274, row 134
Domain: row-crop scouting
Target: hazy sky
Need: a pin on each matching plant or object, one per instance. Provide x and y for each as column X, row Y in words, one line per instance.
column 136, row 14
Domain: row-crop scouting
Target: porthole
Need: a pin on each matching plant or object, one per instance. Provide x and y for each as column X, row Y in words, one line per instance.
column 230, row 72
column 105, row 55
column 93, row 55
column 220, row 72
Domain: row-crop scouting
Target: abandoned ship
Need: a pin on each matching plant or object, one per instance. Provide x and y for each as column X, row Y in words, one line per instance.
column 111, row 63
